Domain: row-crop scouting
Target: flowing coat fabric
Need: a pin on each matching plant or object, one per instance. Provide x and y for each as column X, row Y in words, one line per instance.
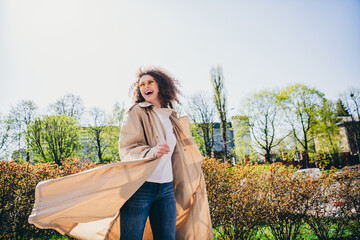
column 86, row 205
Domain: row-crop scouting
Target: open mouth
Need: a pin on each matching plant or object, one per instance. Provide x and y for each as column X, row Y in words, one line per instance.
column 149, row 92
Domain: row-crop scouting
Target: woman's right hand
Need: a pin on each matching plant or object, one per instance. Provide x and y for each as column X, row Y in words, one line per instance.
column 161, row 149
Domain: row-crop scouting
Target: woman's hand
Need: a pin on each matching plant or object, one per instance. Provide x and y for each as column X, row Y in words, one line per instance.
column 161, row 149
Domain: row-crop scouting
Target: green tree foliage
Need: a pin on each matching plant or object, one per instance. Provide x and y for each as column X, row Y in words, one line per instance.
column 341, row 111
column 53, row 138
column 326, row 134
column 5, row 127
column 201, row 111
column 301, row 106
column 219, row 96
column 21, row 116
column 101, row 138
column 197, row 138
column 264, row 120
column 242, row 139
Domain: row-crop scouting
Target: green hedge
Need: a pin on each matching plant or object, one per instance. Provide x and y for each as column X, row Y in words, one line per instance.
column 246, row 201
column 17, row 193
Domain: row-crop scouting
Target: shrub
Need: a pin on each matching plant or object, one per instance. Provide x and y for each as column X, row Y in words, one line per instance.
column 286, row 202
column 17, row 193
column 247, row 199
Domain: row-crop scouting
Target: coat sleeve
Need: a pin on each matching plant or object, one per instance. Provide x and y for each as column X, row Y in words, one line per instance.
column 132, row 142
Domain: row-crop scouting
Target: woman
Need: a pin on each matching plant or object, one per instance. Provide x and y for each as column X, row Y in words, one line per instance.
column 155, row 198
column 159, row 176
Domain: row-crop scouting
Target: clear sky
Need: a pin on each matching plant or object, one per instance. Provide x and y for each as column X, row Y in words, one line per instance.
column 94, row 48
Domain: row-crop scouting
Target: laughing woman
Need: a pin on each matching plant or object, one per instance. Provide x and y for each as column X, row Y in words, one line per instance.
column 155, row 131
column 157, row 191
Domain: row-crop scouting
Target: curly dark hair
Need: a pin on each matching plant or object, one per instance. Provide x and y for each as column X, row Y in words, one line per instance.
column 168, row 86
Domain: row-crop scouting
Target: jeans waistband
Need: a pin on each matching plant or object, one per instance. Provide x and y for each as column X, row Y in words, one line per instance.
column 157, row 186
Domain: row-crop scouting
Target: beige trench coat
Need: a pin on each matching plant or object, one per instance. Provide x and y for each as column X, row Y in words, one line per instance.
column 86, row 205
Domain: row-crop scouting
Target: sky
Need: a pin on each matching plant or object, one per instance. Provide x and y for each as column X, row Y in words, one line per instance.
column 94, row 48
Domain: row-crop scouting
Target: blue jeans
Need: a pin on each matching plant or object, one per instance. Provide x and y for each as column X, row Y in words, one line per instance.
column 156, row 200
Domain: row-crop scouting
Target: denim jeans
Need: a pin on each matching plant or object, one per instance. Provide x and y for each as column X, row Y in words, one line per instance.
column 156, row 200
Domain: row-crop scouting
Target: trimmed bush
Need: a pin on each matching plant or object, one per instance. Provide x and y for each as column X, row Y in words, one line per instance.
column 17, row 193
column 246, row 201
column 270, row 201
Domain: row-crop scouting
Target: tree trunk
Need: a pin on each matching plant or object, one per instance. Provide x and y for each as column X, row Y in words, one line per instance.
column 223, row 131
column 305, row 159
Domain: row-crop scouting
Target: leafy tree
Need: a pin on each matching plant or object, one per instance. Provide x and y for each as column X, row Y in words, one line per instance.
column 100, row 139
column 327, row 133
column 21, row 116
column 69, row 105
column 262, row 110
column 5, row 127
column 217, row 80
column 111, row 134
column 99, row 121
column 201, row 111
column 341, row 111
column 242, row 138
column 53, row 138
column 301, row 106
column 197, row 138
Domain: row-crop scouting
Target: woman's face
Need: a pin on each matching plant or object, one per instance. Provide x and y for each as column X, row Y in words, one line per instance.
column 149, row 90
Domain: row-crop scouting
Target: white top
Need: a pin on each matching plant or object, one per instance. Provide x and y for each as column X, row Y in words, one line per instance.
column 163, row 171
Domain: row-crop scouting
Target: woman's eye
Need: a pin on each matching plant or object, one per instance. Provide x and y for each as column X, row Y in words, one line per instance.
column 151, row 82
column 142, row 85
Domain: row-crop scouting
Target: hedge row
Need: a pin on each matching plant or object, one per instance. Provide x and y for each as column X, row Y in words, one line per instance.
column 244, row 199
column 17, row 194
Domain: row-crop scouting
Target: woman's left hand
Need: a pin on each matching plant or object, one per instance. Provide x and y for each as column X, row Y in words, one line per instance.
column 161, row 149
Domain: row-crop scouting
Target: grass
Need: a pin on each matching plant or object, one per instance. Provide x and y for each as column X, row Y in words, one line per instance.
column 264, row 233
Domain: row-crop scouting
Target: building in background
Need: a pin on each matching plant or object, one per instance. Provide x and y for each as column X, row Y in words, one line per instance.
column 349, row 140
column 239, row 139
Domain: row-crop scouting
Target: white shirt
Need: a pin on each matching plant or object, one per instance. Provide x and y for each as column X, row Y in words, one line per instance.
column 163, row 171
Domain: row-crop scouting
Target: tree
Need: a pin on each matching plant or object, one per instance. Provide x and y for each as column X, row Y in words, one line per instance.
column 262, row 110
column 351, row 100
column 341, row 111
column 113, row 130
column 201, row 111
column 242, row 138
column 195, row 133
column 117, row 114
column 53, row 138
column 5, row 127
column 100, row 141
column 217, row 80
column 96, row 132
column 301, row 106
column 69, row 105
column 327, row 132
column 20, row 117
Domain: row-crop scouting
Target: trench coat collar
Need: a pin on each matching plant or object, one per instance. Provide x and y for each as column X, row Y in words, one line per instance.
column 147, row 104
